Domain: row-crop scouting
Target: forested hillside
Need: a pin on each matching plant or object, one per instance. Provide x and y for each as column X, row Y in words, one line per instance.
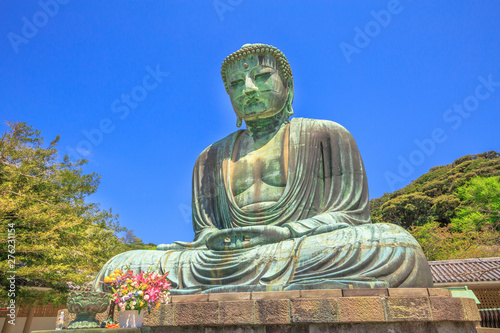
column 453, row 210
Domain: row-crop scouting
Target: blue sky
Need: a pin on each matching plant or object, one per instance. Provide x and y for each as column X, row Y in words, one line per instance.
column 135, row 87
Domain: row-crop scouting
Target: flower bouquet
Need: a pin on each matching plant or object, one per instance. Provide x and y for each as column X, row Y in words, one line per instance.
column 146, row 290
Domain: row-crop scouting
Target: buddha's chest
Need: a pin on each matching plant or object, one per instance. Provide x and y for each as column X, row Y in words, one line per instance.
column 258, row 175
column 266, row 166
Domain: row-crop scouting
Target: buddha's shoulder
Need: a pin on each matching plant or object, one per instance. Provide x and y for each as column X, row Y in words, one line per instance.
column 320, row 126
column 214, row 149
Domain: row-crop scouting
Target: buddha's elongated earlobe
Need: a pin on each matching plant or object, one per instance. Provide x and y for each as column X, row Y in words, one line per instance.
column 289, row 110
column 238, row 121
column 289, row 100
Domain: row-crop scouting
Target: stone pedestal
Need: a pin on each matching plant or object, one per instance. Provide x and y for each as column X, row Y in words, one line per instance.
column 331, row 310
column 334, row 310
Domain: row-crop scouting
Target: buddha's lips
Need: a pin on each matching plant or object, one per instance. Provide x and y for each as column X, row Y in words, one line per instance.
column 252, row 100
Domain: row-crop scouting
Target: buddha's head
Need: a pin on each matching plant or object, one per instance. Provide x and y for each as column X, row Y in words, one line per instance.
column 259, row 82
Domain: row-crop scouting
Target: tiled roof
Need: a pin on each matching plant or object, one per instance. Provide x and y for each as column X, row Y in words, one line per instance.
column 466, row 270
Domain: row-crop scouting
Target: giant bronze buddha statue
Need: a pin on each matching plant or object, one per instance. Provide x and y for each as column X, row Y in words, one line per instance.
column 281, row 205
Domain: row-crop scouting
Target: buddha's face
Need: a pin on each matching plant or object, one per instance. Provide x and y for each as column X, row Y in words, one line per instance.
column 256, row 87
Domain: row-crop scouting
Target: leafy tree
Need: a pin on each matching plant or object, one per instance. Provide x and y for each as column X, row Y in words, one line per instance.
column 443, row 207
column 60, row 238
column 480, row 205
column 407, row 210
column 443, row 243
column 135, row 243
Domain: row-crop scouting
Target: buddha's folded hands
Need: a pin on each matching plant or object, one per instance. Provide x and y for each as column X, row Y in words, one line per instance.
column 246, row 237
column 330, row 227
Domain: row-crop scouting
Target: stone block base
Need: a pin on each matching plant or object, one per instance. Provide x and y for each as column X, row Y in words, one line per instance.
column 402, row 310
column 411, row 327
column 350, row 310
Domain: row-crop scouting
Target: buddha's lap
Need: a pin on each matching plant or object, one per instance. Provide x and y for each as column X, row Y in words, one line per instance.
column 340, row 246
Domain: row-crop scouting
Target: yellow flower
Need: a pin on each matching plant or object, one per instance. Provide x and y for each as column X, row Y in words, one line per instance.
column 141, row 303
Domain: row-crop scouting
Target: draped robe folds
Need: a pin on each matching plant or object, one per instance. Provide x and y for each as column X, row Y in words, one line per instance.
column 325, row 206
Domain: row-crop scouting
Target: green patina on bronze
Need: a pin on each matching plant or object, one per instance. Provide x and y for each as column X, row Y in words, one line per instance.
column 281, row 205
column 86, row 304
column 257, row 49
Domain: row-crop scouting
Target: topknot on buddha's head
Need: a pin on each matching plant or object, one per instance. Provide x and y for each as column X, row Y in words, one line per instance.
column 257, row 49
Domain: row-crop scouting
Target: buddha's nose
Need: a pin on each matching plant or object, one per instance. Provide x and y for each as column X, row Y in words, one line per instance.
column 250, row 87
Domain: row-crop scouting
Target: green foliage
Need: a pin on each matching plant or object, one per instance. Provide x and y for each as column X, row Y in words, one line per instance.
column 443, row 243
column 444, row 206
column 480, row 205
column 433, row 197
column 60, row 238
column 132, row 242
column 408, row 209
column 453, row 210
